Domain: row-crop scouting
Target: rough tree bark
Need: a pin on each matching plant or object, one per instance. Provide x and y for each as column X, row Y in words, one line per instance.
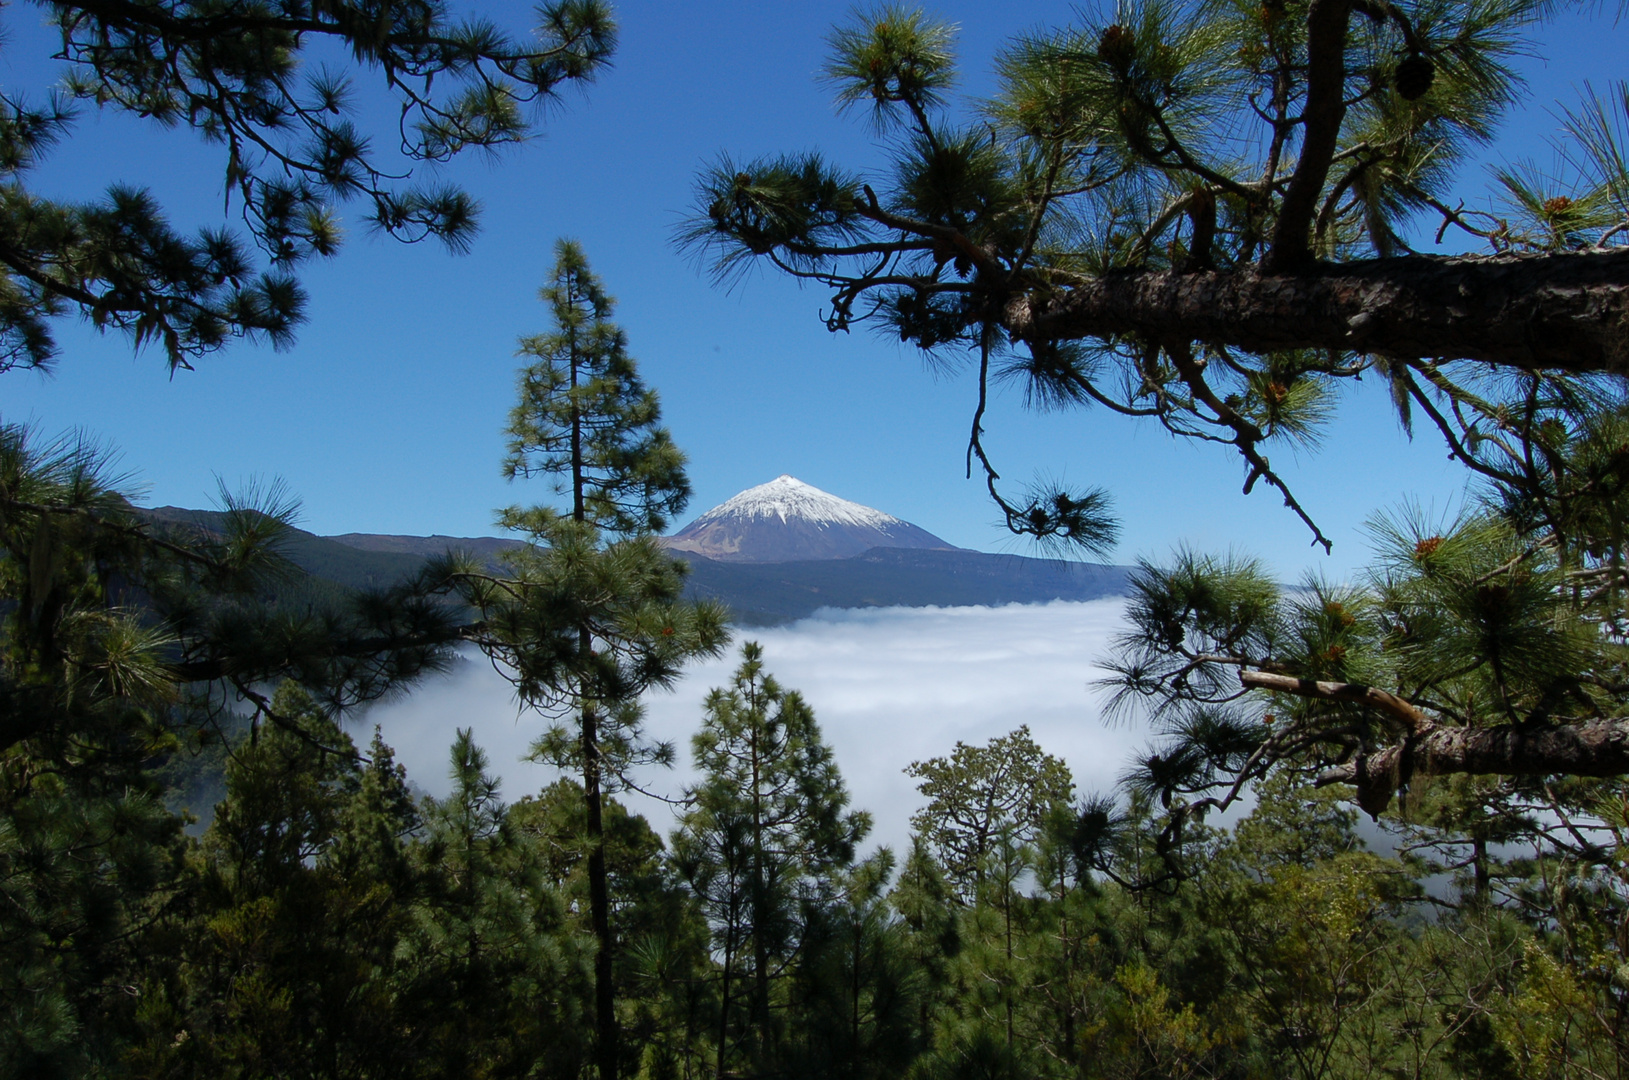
column 1597, row 748
column 1567, row 312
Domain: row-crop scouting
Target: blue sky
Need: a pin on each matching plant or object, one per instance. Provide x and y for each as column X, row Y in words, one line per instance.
column 386, row 416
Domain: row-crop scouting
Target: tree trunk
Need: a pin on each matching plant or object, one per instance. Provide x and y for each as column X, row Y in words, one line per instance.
column 1325, row 109
column 724, row 993
column 854, row 990
column 1568, row 312
column 599, row 905
column 759, row 1013
column 599, row 891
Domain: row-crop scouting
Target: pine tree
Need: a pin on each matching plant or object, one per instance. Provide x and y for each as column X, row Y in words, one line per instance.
column 121, row 644
column 661, row 954
column 499, row 985
column 765, row 831
column 590, row 615
column 860, row 990
column 1201, row 214
column 284, row 953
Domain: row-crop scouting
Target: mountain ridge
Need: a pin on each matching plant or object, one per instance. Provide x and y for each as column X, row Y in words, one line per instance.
column 767, row 554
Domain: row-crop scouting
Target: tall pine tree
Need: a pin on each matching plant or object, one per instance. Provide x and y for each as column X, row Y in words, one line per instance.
column 766, row 833
column 590, row 616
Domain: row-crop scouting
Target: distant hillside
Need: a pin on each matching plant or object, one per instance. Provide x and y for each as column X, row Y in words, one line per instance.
column 320, row 556
column 758, row 593
column 488, row 547
column 770, row 593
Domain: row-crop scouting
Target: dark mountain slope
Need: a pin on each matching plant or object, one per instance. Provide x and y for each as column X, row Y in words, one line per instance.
column 770, row 593
column 486, row 547
column 319, row 556
column 758, row 592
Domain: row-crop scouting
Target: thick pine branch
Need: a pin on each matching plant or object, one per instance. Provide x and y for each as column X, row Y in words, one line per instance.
column 1597, row 748
column 1566, row 312
column 1325, row 110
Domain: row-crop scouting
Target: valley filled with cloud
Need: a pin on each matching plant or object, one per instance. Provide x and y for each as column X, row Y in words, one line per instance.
column 888, row 685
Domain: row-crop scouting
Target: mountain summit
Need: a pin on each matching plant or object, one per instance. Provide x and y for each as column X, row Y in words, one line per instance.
column 787, row 520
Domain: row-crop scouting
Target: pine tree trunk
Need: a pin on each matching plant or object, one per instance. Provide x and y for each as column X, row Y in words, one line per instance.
column 599, row 892
column 760, row 952
column 599, row 905
column 729, row 965
column 855, row 987
column 1007, row 980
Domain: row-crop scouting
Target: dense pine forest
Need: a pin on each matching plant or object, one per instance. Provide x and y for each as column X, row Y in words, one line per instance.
column 329, row 924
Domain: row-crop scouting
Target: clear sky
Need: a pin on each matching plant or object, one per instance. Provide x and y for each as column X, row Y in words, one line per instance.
column 386, row 416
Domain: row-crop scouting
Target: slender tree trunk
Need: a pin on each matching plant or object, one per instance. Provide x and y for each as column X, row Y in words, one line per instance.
column 1479, row 867
column 599, row 891
column 599, row 903
column 1070, row 1053
column 760, row 952
column 854, row 1006
column 729, row 965
column 579, row 508
column 1006, row 914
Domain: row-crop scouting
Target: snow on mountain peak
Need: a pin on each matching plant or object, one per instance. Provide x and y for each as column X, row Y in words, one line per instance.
column 787, row 497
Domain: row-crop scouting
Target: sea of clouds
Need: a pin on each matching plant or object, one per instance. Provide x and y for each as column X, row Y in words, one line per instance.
column 889, row 686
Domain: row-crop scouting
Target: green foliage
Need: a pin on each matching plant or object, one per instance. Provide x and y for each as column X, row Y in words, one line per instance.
column 986, row 802
column 589, row 615
column 124, row 646
column 1052, row 231
column 330, row 924
column 762, row 843
column 893, row 58
column 660, row 963
column 293, row 154
column 585, row 420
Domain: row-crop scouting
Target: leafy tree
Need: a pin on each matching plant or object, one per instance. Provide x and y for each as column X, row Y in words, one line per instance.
column 1199, row 213
column 763, row 836
column 1302, row 913
column 986, row 812
column 589, row 616
column 982, row 797
column 239, row 74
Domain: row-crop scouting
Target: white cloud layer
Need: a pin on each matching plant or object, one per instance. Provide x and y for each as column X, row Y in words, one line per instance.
column 889, row 686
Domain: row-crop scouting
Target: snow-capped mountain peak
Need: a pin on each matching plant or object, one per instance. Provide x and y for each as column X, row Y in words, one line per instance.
column 788, row 497
column 787, row 520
